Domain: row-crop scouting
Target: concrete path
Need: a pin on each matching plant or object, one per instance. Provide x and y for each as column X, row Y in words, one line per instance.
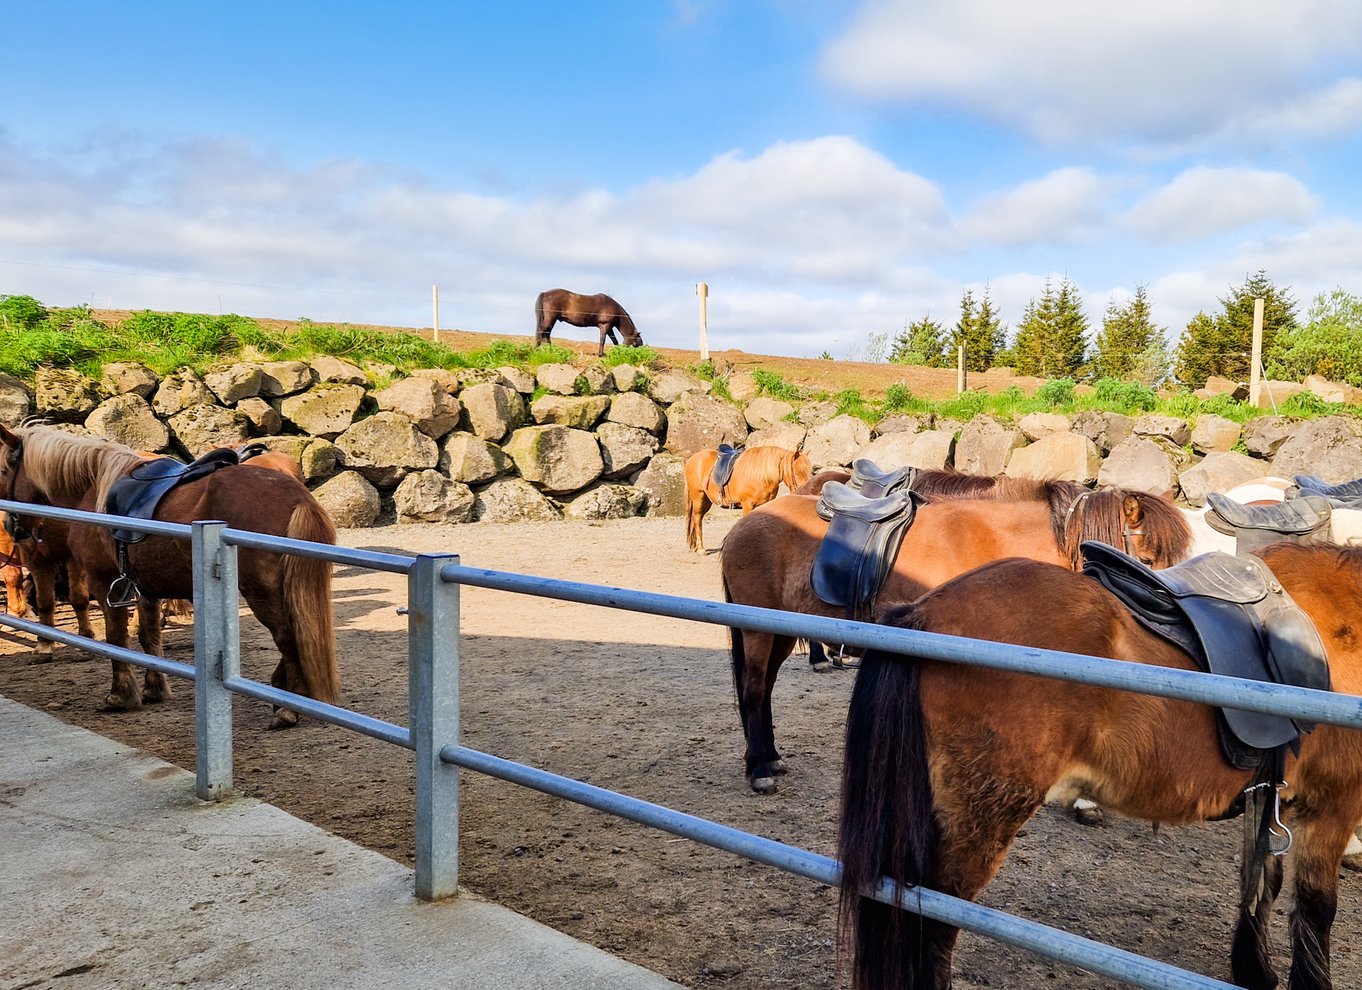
column 113, row 875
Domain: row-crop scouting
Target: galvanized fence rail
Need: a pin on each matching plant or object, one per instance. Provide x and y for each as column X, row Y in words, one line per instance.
column 432, row 732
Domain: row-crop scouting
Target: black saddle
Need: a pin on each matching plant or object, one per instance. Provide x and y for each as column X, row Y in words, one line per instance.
column 861, row 544
column 1298, row 520
column 138, row 493
column 248, row 450
column 1345, row 495
column 1231, row 616
column 870, row 481
column 723, row 467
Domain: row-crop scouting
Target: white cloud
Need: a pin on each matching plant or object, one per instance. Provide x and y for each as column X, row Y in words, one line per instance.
column 1203, row 201
column 1063, row 207
column 1077, row 71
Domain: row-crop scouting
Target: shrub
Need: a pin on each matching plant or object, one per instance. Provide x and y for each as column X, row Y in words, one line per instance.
column 1057, row 392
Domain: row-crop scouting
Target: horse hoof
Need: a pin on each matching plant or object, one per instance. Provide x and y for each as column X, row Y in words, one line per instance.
column 821, row 666
column 284, row 719
column 118, row 703
column 39, row 658
column 1087, row 813
column 153, row 697
column 778, row 767
column 763, row 785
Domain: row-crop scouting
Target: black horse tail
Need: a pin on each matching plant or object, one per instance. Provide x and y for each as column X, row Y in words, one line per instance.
column 738, row 654
column 888, row 827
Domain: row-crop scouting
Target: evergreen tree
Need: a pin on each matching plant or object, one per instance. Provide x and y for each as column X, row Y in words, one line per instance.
column 979, row 330
column 1128, row 331
column 921, row 342
column 1223, row 346
column 1052, row 336
column 962, row 331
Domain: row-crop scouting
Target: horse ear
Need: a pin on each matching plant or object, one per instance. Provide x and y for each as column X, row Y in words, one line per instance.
column 1133, row 510
column 9, row 438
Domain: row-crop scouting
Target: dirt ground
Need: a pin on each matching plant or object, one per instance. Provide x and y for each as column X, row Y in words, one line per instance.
column 644, row 705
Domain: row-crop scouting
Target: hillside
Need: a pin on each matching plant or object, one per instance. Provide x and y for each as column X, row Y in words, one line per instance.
column 813, row 373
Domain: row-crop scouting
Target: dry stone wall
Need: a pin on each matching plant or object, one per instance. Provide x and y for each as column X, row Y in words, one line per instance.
column 602, row 443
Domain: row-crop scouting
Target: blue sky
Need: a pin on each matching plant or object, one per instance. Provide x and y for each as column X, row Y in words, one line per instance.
column 831, row 169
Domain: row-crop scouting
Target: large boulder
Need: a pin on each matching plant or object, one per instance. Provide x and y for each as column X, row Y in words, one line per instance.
column 320, row 459
column 511, row 500
column 121, row 377
column 326, row 368
column 560, row 379
column 472, row 460
column 264, row 418
column 834, row 443
column 812, row 414
column 204, row 427
column 763, row 413
column 1273, row 393
column 1340, row 392
column 423, row 401
column 278, row 378
column 492, row 410
column 985, row 446
column 350, row 500
column 386, row 447
column 1041, row 424
column 235, row 382
column 598, row 379
column 628, row 377
column 1106, row 429
column 128, row 419
column 1264, row 435
column 1330, row 447
column 581, row 412
column 325, row 410
column 697, row 422
column 902, row 423
column 668, row 386
column 1217, row 472
column 789, row 436
column 743, row 387
column 1214, row 433
column 624, row 449
column 16, row 401
column 929, row 449
column 518, row 379
column 1141, row 463
column 664, row 479
column 1062, row 456
column 65, row 394
column 179, row 391
column 558, row 459
column 1169, row 427
column 607, row 502
column 428, row 496
column 632, row 409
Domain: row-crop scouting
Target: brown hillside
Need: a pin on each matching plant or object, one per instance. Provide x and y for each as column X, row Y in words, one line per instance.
column 813, row 373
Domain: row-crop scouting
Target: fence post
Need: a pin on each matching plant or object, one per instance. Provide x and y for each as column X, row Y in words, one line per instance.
column 1256, row 354
column 217, row 656
column 960, row 370
column 433, row 718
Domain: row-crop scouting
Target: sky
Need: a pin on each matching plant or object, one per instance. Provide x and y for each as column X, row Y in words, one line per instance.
column 832, row 170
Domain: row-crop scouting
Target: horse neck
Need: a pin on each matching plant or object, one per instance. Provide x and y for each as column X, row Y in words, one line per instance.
column 64, row 471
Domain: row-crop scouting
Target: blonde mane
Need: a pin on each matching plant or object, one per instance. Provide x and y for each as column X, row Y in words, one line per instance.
column 64, row 466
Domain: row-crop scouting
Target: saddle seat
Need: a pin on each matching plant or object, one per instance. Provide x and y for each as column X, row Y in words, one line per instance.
column 722, row 471
column 1345, row 495
column 870, row 481
column 1297, row 517
column 138, row 493
column 1232, row 617
column 861, row 544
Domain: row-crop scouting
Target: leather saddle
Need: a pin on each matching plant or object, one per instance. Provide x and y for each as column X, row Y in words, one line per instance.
column 870, row 481
column 1346, row 495
column 861, row 544
column 722, row 471
column 1298, row 520
column 138, row 493
column 1232, row 617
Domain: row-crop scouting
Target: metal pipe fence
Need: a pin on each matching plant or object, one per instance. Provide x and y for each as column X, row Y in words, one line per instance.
column 432, row 732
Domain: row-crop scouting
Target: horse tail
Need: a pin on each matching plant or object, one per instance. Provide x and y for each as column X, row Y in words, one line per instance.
column 736, row 651
column 307, row 598
column 888, row 826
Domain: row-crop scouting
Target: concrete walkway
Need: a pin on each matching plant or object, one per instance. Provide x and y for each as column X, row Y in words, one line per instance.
column 113, row 875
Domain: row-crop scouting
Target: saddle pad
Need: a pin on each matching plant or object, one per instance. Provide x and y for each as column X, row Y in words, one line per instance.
column 1239, row 620
column 870, row 481
column 723, row 465
column 861, row 544
column 138, row 493
column 1294, row 517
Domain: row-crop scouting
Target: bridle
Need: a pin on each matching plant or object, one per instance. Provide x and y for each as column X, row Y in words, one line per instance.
column 1079, row 509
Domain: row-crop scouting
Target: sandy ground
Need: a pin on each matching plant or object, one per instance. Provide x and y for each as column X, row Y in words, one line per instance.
column 644, row 705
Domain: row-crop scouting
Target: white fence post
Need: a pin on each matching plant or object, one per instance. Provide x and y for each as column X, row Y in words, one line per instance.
column 433, row 718
column 217, row 656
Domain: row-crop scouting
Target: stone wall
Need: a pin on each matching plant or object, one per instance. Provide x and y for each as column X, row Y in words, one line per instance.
column 602, row 443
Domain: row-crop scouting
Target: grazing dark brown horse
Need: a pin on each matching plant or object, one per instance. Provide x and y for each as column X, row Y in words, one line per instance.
column 756, row 480
column 768, row 556
column 291, row 596
column 599, row 310
column 945, row 762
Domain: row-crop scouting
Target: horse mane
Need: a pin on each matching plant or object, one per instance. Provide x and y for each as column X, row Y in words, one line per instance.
column 65, row 465
column 1167, row 534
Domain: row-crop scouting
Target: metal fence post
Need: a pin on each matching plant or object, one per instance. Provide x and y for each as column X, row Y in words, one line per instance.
column 217, row 656
column 433, row 718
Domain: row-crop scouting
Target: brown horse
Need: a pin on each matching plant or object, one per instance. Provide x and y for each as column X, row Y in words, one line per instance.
column 756, row 479
column 768, row 557
column 291, row 596
column 946, row 762
column 12, row 573
column 599, row 310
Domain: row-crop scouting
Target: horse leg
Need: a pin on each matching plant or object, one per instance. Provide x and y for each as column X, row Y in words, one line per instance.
column 15, row 600
column 155, row 686
column 1250, row 953
column 763, row 654
column 1320, row 838
column 123, row 694
column 78, row 591
column 287, row 675
column 44, row 605
column 605, row 331
column 697, row 504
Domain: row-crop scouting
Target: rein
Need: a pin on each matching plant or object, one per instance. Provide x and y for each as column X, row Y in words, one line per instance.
column 1079, row 509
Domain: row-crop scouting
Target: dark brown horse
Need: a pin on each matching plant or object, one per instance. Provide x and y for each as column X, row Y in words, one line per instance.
column 768, row 556
column 946, row 762
column 599, row 310
column 291, row 596
column 756, row 479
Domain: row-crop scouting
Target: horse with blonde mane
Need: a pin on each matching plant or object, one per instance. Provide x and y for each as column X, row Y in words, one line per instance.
column 756, row 479
column 290, row 595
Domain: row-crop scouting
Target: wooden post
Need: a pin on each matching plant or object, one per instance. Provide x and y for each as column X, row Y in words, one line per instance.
column 960, row 370
column 435, row 317
column 702, row 290
column 1256, row 357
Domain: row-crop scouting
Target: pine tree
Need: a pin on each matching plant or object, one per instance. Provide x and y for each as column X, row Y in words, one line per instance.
column 963, row 330
column 1052, row 336
column 1223, row 346
column 979, row 330
column 1128, row 332
column 921, row 342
